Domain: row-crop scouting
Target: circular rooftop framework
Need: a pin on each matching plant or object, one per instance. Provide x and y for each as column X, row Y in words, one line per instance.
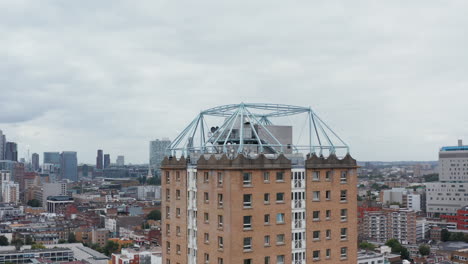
column 256, row 128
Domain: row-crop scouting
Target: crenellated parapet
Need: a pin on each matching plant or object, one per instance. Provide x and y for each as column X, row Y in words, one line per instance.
column 332, row 161
column 240, row 162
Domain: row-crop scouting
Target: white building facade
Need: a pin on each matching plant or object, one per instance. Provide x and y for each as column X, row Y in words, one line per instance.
column 451, row 192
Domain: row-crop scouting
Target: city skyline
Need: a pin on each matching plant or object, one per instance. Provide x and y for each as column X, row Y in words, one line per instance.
column 379, row 83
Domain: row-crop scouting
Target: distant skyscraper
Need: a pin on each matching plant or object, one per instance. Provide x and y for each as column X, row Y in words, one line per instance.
column 120, row 161
column 51, row 158
column 69, row 165
column 99, row 159
column 11, row 151
column 2, row 145
column 158, row 150
column 35, row 161
column 106, row 160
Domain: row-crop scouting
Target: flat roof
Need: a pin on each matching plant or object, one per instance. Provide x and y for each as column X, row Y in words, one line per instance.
column 454, row 148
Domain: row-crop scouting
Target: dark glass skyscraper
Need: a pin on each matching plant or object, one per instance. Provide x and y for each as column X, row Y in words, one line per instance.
column 11, row 151
column 106, row 160
column 99, row 159
column 52, row 157
column 69, row 165
column 35, row 161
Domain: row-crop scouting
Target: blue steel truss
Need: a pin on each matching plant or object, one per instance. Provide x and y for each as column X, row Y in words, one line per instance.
column 196, row 138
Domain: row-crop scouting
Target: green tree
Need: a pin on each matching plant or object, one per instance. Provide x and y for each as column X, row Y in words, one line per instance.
column 145, row 225
column 37, row 246
column 71, row 238
column 404, row 253
column 154, row 215
column 3, row 241
column 431, row 177
column 18, row 243
column 62, row 241
column 366, row 246
column 96, row 247
column 34, row 203
column 111, row 247
column 444, row 235
column 29, row 240
column 394, row 244
column 424, row 250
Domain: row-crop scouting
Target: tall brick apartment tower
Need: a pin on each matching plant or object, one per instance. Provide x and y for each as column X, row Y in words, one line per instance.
column 247, row 195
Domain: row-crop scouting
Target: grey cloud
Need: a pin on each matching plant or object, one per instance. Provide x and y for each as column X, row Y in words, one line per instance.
column 115, row 74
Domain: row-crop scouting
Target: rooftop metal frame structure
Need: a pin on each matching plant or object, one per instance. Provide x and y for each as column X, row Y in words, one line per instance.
column 197, row 138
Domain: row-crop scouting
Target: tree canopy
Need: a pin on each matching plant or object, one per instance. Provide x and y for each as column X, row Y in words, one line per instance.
column 111, row 247
column 424, row 250
column 154, row 215
column 34, row 203
column 3, row 241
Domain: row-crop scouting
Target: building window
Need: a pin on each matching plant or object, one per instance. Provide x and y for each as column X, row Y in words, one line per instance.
column 177, row 194
column 168, row 247
column 168, row 178
column 344, row 233
column 266, row 241
column 344, row 177
column 266, row 198
column 220, row 221
column 207, row 258
column 266, row 219
column 280, row 197
column 316, row 175
column 344, row 252
column 220, row 179
column 206, row 177
column 177, row 174
column 178, row 230
column 220, row 200
column 327, row 214
column 344, row 214
column 328, row 234
column 206, row 217
column 207, row 238
column 280, row 218
column 266, row 177
column 328, row 195
column 280, row 176
column 280, row 239
column 168, row 195
column 316, row 196
column 328, row 175
column 316, row 235
column 247, row 222
column 220, row 243
column 343, row 195
column 248, row 261
column 168, row 229
column 267, row 260
column 280, row 259
column 168, row 212
column 316, row 254
column 177, row 212
column 316, row 215
column 247, row 200
column 247, row 179
column 247, row 243
column 220, row 261
column 178, row 249
column 206, row 198
column 328, row 253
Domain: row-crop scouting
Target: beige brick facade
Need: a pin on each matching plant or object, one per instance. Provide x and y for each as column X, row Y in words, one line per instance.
column 257, row 203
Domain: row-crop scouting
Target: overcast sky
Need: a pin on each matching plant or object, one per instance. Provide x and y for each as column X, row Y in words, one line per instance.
column 390, row 78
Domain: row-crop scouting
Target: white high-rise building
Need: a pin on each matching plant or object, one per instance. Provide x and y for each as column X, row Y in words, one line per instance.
column 120, row 161
column 451, row 192
column 9, row 189
column 158, row 150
